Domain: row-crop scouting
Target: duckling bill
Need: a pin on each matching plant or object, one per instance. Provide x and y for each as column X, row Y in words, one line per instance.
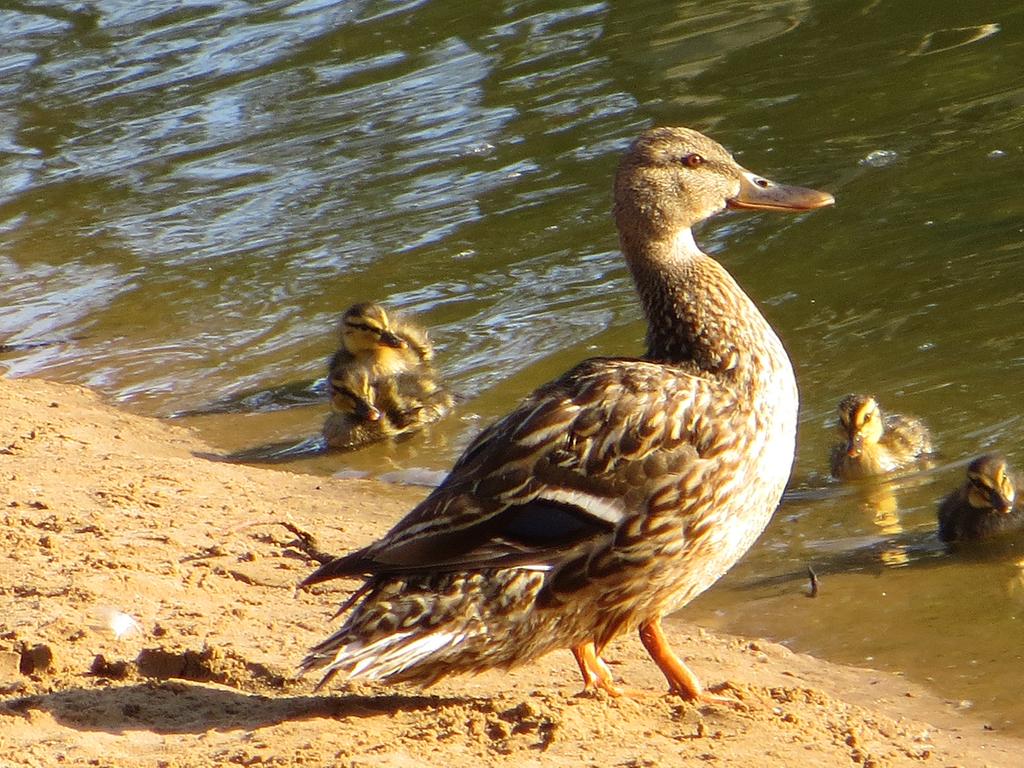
column 612, row 495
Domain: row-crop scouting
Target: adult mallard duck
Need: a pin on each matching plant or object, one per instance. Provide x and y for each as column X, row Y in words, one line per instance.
column 876, row 444
column 383, row 345
column 985, row 505
column 365, row 410
column 612, row 495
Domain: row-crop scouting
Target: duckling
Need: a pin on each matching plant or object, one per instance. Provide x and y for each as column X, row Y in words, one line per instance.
column 354, row 420
column 414, row 400
column 385, row 346
column 876, row 444
column 366, row 411
column 612, row 495
column 985, row 505
column 369, row 337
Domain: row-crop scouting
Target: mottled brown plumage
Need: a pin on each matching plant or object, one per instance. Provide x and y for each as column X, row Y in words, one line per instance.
column 985, row 505
column 612, row 495
column 382, row 382
column 875, row 443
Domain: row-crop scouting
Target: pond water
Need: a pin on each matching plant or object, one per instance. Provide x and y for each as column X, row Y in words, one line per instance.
column 191, row 193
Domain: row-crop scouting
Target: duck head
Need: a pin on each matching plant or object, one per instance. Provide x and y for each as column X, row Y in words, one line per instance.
column 673, row 178
column 989, row 486
column 366, row 328
column 861, row 423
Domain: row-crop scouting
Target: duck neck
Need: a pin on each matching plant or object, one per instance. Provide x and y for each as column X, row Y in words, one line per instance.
column 698, row 315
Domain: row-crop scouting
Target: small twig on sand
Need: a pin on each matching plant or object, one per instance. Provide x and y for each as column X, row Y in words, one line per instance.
column 306, row 541
column 308, row 544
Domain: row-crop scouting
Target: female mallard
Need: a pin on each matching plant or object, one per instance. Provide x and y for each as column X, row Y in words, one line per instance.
column 365, row 410
column 876, row 444
column 612, row 495
column 984, row 506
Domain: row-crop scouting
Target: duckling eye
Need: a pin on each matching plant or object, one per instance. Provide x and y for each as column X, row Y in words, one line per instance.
column 693, row 160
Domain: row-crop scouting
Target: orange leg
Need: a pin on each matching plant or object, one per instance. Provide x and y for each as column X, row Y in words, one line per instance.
column 681, row 680
column 595, row 672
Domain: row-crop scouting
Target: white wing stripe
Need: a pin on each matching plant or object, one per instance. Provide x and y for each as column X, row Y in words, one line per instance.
column 609, row 510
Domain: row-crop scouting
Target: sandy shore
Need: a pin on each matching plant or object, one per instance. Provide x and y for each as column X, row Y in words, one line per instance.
column 148, row 617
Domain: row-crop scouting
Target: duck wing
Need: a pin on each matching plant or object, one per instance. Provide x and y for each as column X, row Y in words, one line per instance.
column 586, row 461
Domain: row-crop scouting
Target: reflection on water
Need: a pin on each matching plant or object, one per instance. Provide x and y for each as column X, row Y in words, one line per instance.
column 189, row 195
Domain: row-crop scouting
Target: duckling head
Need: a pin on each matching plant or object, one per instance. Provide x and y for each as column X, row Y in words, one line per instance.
column 860, row 421
column 673, row 178
column 366, row 327
column 989, row 486
column 352, row 393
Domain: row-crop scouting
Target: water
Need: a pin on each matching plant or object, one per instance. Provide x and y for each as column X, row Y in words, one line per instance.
column 190, row 194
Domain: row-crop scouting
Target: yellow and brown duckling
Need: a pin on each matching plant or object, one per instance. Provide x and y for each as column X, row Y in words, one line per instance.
column 365, row 410
column 875, row 443
column 354, row 420
column 613, row 495
column 985, row 505
column 381, row 344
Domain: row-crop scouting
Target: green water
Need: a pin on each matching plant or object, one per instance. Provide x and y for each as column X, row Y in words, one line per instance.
column 191, row 193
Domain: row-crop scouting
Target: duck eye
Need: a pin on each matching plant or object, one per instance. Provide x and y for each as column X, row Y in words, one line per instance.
column 693, row 160
column 762, row 183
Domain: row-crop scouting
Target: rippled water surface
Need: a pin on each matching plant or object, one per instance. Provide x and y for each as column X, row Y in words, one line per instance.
column 191, row 193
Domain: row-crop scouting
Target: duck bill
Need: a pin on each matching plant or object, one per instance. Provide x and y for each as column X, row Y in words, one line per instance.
column 758, row 194
column 1000, row 503
column 854, row 447
column 388, row 339
column 367, row 412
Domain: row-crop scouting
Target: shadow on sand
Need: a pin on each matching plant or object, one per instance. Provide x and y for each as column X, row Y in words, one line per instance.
column 178, row 706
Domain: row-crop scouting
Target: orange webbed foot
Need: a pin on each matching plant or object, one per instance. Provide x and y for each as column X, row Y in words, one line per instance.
column 681, row 681
column 596, row 674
